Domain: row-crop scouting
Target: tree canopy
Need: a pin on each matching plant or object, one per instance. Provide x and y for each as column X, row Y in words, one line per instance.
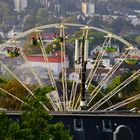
column 138, row 40
column 128, row 91
column 34, row 123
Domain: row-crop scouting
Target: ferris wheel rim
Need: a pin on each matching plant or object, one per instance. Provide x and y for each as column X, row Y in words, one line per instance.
column 58, row 25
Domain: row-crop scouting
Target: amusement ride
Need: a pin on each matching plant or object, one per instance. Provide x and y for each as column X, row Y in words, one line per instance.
column 33, row 42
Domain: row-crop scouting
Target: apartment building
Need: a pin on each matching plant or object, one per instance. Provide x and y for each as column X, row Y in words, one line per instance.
column 88, row 8
column 20, row 5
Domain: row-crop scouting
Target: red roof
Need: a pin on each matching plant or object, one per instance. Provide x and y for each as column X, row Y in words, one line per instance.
column 134, row 56
column 53, row 59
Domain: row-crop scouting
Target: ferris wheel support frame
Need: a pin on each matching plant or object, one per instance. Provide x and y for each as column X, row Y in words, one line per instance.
column 23, row 34
column 106, row 78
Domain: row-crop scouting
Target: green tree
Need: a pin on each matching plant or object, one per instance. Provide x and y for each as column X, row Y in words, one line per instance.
column 69, row 20
column 120, row 24
column 138, row 40
column 128, row 91
column 42, row 15
column 69, row 5
column 34, row 123
column 116, row 82
column 15, row 88
column 30, row 22
column 52, row 47
column 96, row 21
column 6, row 9
column 130, row 38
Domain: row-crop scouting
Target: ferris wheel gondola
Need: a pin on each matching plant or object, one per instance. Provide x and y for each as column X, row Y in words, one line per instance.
column 111, row 49
column 130, row 61
column 132, row 58
column 35, row 41
column 14, row 53
column 59, row 38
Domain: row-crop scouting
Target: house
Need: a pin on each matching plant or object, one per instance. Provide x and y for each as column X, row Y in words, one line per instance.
column 54, row 61
column 2, row 35
column 99, row 74
column 10, row 21
column 136, row 21
column 13, row 32
column 109, row 18
column 53, row 4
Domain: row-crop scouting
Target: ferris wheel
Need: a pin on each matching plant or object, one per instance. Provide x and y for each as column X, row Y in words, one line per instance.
column 41, row 56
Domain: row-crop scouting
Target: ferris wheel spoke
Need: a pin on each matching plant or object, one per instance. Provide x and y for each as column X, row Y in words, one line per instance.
column 5, row 67
column 77, row 105
column 35, row 74
column 48, row 69
column 15, row 97
column 63, row 63
column 28, row 63
column 108, row 76
column 75, row 100
column 97, row 62
column 98, row 58
column 74, row 88
column 115, row 91
column 123, row 103
column 45, row 57
column 53, row 104
column 52, row 101
column 114, row 68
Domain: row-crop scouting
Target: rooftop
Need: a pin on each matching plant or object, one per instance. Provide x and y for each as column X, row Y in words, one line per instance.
column 57, row 57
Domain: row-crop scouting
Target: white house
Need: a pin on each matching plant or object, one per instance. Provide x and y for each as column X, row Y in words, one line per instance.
column 55, row 63
column 136, row 21
column 74, row 77
column 2, row 34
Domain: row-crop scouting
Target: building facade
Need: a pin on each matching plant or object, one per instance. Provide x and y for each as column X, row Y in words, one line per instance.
column 54, row 5
column 20, row 5
column 55, row 63
column 88, row 8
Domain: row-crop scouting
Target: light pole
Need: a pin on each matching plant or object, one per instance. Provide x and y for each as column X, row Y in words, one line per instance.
column 81, row 56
